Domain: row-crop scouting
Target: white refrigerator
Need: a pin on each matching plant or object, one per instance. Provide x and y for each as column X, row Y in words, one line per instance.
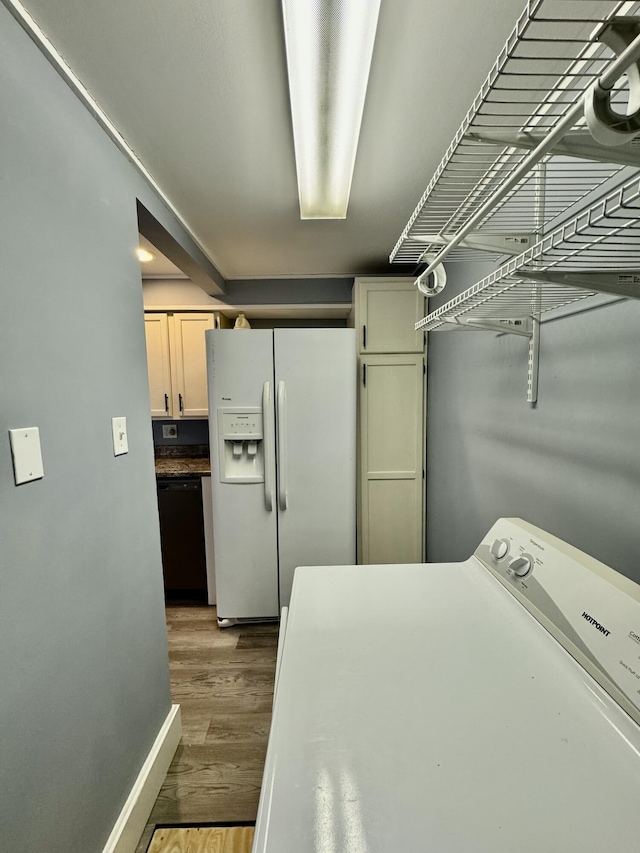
column 282, row 423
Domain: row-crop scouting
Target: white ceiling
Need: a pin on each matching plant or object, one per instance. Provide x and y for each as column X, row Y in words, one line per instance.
column 198, row 88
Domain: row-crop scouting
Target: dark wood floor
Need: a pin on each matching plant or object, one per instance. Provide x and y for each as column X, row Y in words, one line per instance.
column 223, row 681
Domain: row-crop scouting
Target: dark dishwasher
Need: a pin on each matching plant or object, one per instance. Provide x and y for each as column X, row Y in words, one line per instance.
column 182, row 538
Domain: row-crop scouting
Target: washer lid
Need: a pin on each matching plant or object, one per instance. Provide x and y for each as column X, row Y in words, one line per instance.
column 422, row 707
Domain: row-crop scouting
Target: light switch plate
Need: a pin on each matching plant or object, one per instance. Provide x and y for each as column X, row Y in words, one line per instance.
column 27, row 454
column 119, row 429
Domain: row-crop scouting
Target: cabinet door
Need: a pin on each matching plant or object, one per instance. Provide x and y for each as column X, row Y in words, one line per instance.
column 391, row 458
column 157, row 334
column 189, row 364
column 388, row 311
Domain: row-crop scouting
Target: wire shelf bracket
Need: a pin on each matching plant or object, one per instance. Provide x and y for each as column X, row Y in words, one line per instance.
column 526, row 327
column 578, row 143
column 618, row 284
column 484, row 241
column 522, row 326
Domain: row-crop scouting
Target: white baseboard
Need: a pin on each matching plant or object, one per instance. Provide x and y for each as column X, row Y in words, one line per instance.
column 135, row 812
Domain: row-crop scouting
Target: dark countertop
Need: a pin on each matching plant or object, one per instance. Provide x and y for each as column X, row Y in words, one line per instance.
column 183, row 467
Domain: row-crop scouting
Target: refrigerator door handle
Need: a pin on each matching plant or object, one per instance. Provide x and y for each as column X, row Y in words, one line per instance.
column 282, row 446
column 267, row 415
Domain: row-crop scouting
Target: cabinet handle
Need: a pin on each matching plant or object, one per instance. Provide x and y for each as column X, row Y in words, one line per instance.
column 364, row 375
column 364, row 337
column 180, row 402
column 166, row 402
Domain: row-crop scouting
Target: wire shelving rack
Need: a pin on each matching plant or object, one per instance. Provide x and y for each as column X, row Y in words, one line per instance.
column 598, row 251
column 525, row 178
column 551, row 58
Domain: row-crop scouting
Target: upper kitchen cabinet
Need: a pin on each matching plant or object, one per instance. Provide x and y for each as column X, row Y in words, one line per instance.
column 177, row 363
column 386, row 311
column 189, row 364
column 156, row 328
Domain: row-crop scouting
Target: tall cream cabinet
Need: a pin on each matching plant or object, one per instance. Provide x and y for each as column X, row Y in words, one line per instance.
column 177, row 364
column 391, row 416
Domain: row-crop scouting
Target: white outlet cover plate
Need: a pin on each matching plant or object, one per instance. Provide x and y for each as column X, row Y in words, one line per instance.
column 119, row 429
column 27, row 454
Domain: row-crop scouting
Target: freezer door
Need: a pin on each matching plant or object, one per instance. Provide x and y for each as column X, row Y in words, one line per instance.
column 316, row 439
column 240, row 375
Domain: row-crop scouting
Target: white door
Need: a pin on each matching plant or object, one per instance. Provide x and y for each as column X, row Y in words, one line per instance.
column 245, row 538
column 391, row 458
column 316, row 380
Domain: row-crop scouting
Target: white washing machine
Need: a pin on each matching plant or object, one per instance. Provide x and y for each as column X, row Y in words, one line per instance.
column 490, row 705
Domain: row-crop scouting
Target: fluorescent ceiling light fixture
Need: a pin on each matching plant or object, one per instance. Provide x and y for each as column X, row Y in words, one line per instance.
column 329, row 48
column 143, row 256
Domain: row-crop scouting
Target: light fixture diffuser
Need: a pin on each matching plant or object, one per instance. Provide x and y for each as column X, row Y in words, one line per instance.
column 144, row 256
column 329, row 48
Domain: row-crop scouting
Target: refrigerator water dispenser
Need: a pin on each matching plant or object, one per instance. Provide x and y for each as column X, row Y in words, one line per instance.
column 240, row 445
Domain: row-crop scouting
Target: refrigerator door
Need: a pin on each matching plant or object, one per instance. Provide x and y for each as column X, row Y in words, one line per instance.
column 316, row 379
column 241, row 405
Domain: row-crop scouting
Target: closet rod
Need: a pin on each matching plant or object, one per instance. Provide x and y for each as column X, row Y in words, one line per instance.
column 606, row 82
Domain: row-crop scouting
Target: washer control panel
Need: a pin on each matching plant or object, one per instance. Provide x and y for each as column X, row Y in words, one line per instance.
column 592, row 610
column 522, row 566
column 500, row 548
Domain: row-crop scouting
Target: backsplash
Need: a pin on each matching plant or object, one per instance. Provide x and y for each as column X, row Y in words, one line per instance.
column 188, row 433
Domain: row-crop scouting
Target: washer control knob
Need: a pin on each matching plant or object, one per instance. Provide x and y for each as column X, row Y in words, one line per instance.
column 499, row 549
column 522, row 566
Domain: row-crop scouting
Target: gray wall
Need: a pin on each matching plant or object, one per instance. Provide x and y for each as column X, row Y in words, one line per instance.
column 571, row 465
column 189, row 432
column 287, row 290
column 83, row 656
